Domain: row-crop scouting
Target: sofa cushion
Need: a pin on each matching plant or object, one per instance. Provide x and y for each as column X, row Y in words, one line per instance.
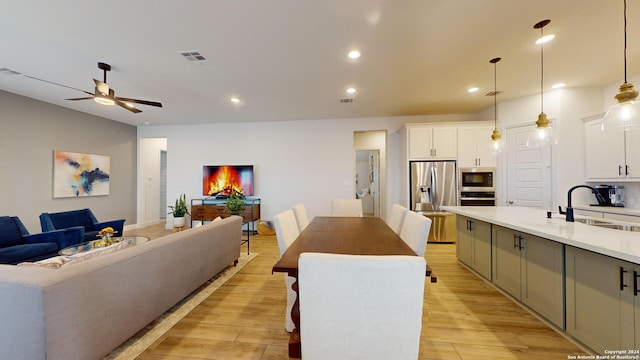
column 27, row 252
column 69, row 219
column 9, row 232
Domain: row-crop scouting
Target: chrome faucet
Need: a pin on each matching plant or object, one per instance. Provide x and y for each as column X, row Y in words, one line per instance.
column 569, row 212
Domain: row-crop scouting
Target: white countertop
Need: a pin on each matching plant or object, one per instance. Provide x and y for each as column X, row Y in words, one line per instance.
column 620, row 244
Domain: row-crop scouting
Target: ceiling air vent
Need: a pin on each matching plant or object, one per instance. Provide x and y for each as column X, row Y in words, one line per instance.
column 492, row 93
column 193, row 56
column 346, row 100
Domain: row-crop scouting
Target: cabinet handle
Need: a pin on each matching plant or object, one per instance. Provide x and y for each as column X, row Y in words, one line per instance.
column 510, row 202
column 514, row 241
column 619, row 170
column 435, row 152
column 520, row 242
column 622, row 272
column 478, row 161
column 635, row 283
column 626, row 170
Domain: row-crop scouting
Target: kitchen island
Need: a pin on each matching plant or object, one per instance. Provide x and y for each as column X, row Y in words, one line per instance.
column 582, row 279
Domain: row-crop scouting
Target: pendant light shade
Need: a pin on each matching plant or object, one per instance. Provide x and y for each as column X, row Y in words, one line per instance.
column 496, row 137
column 626, row 113
column 543, row 134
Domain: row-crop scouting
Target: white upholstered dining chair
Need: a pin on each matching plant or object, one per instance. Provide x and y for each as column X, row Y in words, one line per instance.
column 301, row 216
column 360, row 306
column 396, row 217
column 415, row 231
column 286, row 232
column 346, row 207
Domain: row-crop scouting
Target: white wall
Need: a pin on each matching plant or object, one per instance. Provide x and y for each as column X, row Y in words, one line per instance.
column 294, row 161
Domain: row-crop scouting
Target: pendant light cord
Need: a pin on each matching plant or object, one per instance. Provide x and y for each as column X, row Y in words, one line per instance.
column 495, row 95
column 625, row 40
column 542, row 69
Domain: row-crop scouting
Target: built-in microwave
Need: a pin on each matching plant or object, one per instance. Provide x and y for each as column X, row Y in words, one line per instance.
column 476, row 179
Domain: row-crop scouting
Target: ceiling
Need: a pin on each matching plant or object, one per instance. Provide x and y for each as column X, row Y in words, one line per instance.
column 287, row 59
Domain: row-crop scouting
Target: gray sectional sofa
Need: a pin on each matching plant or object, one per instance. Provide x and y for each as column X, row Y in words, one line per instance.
column 85, row 310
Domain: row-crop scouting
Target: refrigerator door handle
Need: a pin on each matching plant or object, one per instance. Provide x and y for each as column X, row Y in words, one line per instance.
column 434, row 186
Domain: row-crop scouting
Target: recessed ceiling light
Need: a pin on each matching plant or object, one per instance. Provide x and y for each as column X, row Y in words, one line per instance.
column 545, row 39
column 558, row 85
column 473, row 89
column 351, row 90
column 234, row 100
column 354, row 54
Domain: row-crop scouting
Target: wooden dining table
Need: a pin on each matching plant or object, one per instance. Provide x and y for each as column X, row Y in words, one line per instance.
column 337, row 235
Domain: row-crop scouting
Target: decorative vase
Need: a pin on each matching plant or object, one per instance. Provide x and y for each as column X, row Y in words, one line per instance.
column 179, row 221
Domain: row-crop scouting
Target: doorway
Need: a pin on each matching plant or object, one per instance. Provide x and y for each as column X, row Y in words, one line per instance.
column 528, row 170
column 367, row 183
column 370, row 171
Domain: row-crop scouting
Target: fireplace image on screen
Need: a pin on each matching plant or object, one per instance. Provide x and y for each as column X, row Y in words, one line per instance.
column 225, row 180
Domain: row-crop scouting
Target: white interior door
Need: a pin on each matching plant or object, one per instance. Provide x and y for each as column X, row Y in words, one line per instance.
column 528, row 170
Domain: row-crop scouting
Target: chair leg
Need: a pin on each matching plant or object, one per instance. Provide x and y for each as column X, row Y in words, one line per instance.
column 429, row 273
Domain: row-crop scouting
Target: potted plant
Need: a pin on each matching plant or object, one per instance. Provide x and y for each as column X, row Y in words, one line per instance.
column 179, row 210
column 235, row 204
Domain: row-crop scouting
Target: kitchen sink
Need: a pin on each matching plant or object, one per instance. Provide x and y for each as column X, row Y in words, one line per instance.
column 609, row 225
column 594, row 222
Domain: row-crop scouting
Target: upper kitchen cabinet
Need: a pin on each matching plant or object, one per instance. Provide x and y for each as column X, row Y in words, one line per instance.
column 611, row 155
column 474, row 147
column 427, row 143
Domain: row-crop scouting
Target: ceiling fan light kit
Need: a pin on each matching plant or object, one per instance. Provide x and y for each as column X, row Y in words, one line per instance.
column 626, row 113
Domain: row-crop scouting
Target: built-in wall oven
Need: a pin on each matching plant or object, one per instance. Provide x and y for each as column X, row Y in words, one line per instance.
column 476, row 186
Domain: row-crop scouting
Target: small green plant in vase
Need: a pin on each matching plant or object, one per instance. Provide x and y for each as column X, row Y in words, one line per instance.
column 235, row 204
column 179, row 210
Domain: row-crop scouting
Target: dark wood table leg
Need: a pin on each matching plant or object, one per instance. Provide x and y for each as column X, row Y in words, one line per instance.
column 295, row 350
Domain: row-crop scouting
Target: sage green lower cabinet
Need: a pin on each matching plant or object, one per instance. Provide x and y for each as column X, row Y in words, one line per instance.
column 474, row 244
column 530, row 269
column 601, row 305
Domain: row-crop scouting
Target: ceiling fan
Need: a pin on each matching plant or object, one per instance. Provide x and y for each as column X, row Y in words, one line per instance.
column 103, row 94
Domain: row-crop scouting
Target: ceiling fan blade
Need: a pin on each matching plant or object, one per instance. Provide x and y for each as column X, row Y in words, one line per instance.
column 143, row 102
column 128, row 107
column 82, row 98
column 54, row 83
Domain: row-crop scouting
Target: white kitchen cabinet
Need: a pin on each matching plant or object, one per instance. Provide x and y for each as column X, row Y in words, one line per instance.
column 611, row 155
column 427, row 143
column 530, row 269
column 474, row 146
column 474, row 244
column 601, row 306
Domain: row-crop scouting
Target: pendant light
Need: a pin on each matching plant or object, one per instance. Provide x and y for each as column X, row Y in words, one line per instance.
column 626, row 113
column 543, row 134
column 496, row 137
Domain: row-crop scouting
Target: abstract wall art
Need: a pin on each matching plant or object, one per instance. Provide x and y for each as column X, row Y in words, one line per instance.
column 76, row 174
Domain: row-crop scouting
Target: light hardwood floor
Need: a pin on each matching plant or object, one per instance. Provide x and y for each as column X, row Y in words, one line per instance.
column 464, row 317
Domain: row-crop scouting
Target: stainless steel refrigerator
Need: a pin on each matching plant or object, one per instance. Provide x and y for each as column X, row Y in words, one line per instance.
column 433, row 184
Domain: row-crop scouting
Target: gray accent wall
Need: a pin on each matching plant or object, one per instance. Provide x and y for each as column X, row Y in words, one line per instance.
column 30, row 130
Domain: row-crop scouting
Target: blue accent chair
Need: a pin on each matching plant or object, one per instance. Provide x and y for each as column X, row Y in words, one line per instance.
column 17, row 245
column 83, row 218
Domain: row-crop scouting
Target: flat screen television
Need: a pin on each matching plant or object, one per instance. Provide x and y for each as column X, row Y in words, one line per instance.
column 223, row 180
